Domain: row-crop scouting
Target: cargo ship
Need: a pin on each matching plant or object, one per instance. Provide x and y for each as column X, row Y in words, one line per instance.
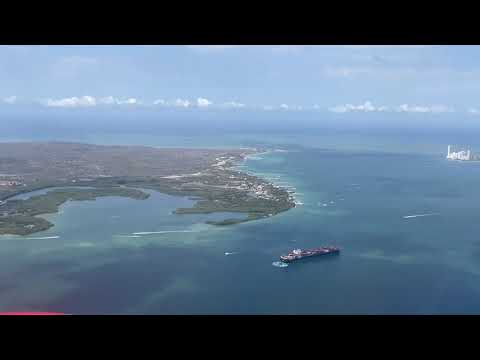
column 299, row 254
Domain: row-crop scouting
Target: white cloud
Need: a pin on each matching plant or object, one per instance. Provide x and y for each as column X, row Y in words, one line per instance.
column 160, row 102
column 129, row 101
column 109, row 100
column 182, row 103
column 201, row 102
column 10, row 99
column 369, row 107
column 474, row 111
column 365, row 107
column 88, row 101
column 424, row 109
column 72, row 102
column 283, row 107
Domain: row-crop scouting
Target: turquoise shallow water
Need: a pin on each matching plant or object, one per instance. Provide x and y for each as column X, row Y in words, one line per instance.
column 354, row 198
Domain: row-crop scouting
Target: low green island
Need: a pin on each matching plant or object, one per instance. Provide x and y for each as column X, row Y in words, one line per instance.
column 79, row 172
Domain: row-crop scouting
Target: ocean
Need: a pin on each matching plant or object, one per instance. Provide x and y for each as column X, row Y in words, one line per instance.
column 404, row 217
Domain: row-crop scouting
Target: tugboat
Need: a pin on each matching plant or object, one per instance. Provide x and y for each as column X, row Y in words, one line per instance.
column 299, row 254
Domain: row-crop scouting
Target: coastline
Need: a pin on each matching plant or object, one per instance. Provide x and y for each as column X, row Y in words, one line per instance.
column 220, row 187
column 288, row 188
column 252, row 214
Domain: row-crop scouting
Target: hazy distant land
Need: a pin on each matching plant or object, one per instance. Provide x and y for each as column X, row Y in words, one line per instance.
column 93, row 171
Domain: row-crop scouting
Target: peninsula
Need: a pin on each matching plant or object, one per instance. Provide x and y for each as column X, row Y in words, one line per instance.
column 78, row 172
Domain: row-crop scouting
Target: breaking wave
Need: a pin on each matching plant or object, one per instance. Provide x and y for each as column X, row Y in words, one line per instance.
column 419, row 215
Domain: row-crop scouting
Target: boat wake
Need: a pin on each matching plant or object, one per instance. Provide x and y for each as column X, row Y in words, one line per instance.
column 279, row 264
column 42, row 237
column 419, row 215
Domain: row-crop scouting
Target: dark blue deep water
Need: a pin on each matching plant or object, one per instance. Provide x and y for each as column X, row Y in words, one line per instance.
column 353, row 193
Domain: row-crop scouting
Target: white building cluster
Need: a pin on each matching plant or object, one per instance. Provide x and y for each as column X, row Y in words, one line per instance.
column 460, row 155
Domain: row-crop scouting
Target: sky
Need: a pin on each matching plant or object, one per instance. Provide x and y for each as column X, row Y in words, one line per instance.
column 345, row 80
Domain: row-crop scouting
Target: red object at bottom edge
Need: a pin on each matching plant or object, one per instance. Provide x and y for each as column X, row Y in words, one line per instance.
column 30, row 313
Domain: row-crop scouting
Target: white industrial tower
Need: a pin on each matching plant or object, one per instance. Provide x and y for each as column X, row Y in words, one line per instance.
column 464, row 155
